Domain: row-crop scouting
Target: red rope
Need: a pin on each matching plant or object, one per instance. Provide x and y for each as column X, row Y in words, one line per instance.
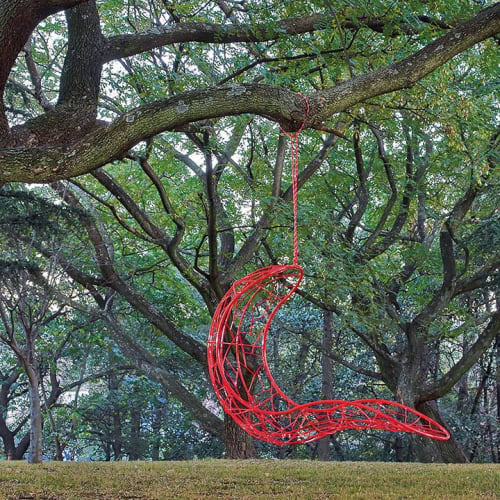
column 294, row 160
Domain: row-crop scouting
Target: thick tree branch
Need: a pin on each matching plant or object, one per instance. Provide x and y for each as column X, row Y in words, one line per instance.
column 81, row 73
column 18, row 19
column 412, row 181
column 362, row 192
column 392, row 184
column 447, row 381
column 190, row 345
column 163, row 240
column 129, row 45
column 445, row 293
column 103, row 145
column 147, row 363
column 406, row 73
column 479, row 278
column 211, row 215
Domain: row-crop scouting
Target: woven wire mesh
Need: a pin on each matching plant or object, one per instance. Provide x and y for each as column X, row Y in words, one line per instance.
column 244, row 385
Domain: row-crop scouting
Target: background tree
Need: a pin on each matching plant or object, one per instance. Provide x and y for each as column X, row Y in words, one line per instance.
column 200, row 195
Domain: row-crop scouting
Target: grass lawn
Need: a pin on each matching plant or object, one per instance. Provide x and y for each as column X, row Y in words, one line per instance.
column 256, row 479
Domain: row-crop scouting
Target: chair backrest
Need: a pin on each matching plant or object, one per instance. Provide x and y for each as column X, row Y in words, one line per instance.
column 237, row 346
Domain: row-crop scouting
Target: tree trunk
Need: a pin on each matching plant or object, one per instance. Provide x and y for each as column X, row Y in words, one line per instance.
column 427, row 450
column 462, row 385
column 116, row 424
column 35, row 448
column 327, row 377
column 489, row 431
column 397, row 446
column 117, row 435
column 155, row 450
column 431, row 450
column 107, row 452
column 135, row 451
column 22, row 447
column 5, row 433
column 9, row 446
column 158, row 422
column 239, row 444
column 12, row 452
column 59, row 456
column 497, row 384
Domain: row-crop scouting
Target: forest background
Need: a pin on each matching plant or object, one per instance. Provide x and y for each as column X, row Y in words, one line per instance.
column 142, row 170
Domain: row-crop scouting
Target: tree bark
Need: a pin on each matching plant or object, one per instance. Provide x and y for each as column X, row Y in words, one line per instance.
column 157, row 424
column 414, row 369
column 6, row 434
column 105, row 144
column 463, row 393
column 327, row 377
column 35, row 448
column 134, row 444
column 81, row 73
column 476, row 350
column 9, row 445
column 107, row 452
column 397, row 446
column 116, row 425
column 497, row 388
column 431, row 450
column 17, row 21
column 239, row 444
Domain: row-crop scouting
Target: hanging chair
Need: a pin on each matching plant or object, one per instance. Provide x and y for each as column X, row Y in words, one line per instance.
column 244, row 385
column 242, row 380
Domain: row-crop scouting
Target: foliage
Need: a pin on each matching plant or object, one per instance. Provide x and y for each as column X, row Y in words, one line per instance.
column 144, row 247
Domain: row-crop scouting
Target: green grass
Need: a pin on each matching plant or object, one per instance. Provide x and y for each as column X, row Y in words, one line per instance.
column 256, row 479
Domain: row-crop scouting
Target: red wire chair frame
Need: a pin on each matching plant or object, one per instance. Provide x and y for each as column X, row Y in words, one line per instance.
column 240, row 374
column 247, row 391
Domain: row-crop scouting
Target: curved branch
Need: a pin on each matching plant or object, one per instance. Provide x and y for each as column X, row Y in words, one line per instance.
column 107, row 143
column 148, row 364
column 129, row 45
column 446, row 292
column 106, row 266
column 448, row 380
column 183, row 32
column 407, row 72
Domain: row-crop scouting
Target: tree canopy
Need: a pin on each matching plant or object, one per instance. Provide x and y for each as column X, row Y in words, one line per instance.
column 142, row 171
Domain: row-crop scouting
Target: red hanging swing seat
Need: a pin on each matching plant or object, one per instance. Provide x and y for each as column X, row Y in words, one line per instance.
column 240, row 374
column 243, row 383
